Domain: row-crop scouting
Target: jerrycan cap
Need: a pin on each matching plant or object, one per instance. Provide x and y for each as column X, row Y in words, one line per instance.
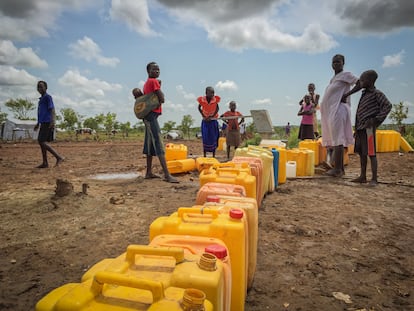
column 213, row 198
column 236, row 213
column 216, row 249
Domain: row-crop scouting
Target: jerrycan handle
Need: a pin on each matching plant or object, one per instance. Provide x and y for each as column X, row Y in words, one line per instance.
column 199, row 211
column 132, row 250
column 106, row 277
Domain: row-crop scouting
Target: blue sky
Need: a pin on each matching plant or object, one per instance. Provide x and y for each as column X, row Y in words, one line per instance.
column 262, row 54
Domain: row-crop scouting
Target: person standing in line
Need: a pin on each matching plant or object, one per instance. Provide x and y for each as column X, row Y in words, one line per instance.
column 233, row 127
column 153, row 143
column 46, row 121
column 287, row 130
column 306, row 125
column 372, row 110
column 336, row 114
column 314, row 98
column 208, row 108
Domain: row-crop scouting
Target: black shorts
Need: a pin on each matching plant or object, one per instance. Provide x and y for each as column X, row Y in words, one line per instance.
column 361, row 142
column 45, row 133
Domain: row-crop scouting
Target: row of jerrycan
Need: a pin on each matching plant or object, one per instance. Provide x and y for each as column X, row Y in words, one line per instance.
column 188, row 259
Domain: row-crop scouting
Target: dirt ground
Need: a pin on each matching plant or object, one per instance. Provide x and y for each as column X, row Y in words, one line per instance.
column 320, row 238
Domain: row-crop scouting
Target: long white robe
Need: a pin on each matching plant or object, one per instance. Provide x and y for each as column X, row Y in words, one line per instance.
column 336, row 116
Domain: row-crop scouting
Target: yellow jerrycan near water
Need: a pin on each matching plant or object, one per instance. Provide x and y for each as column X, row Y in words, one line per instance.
column 230, row 228
column 175, row 152
column 119, row 292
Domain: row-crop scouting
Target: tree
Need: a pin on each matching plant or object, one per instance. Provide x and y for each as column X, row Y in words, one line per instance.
column 399, row 113
column 110, row 122
column 125, row 128
column 70, row 118
column 3, row 116
column 91, row 123
column 168, row 126
column 186, row 124
column 21, row 108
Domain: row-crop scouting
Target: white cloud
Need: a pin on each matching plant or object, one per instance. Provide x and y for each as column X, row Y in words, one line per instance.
column 12, row 76
column 88, row 50
column 187, row 96
column 262, row 102
column 393, row 60
column 84, row 87
column 10, row 55
column 227, row 85
column 134, row 13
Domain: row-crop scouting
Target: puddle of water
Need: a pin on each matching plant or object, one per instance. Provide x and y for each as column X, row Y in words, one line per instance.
column 110, row 176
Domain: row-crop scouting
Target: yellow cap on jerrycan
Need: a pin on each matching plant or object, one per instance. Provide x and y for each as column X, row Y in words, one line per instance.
column 249, row 207
column 230, row 228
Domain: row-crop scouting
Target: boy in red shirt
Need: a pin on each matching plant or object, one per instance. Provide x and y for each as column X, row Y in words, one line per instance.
column 153, row 143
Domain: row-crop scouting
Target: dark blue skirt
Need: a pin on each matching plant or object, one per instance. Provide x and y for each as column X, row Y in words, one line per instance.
column 210, row 133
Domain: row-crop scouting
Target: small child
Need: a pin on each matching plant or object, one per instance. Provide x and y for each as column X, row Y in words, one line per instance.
column 372, row 110
column 306, row 125
column 233, row 127
column 136, row 92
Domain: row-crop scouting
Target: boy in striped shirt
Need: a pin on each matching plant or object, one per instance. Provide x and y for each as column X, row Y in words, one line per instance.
column 372, row 110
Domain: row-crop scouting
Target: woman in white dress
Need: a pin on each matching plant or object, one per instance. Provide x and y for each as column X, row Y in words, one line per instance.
column 336, row 114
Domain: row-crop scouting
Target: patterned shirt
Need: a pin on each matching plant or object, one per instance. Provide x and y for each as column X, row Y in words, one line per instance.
column 372, row 105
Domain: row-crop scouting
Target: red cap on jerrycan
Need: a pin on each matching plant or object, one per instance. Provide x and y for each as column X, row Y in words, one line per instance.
column 236, row 213
column 218, row 250
column 213, row 198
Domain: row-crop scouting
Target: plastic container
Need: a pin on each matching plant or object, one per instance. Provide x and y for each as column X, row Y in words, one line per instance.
column 256, row 166
column 196, row 246
column 175, row 152
column 181, row 166
column 203, row 163
column 322, row 151
column 267, row 158
column 211, row 188
column 210, row 223
column 290, row 169
column 230, row 177
column 224, row 204
column 310, row 161
column 405, row 146
column 282, row 166
column 169, row 266
column 221, row 142
column 113, row 291
column 311, row 145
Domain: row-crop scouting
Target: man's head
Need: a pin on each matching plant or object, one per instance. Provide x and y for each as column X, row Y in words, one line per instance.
column 41, row 87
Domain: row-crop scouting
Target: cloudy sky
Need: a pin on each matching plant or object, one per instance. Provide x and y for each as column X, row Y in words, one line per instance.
column 262, row 53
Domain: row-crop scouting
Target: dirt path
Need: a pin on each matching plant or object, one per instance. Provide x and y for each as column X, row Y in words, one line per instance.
column 317, row 236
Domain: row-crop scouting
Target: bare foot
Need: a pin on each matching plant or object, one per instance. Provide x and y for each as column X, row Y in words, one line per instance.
column 361, row 180
column 59, row 161
column 43, row 165
column 151, row 176
column 171, row 179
